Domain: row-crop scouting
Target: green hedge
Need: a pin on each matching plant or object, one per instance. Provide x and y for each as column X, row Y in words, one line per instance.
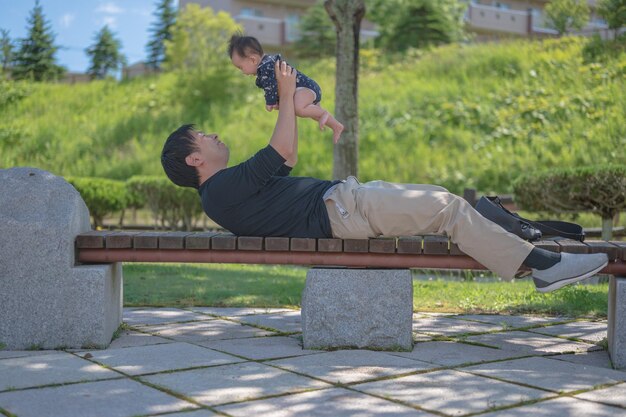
column 596, row 189
column 103, row 196
column 170, row 205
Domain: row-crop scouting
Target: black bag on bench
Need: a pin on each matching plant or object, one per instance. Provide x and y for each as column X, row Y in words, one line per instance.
column 492, row 209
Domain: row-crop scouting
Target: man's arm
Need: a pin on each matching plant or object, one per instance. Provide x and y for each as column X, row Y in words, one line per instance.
column 285, row 137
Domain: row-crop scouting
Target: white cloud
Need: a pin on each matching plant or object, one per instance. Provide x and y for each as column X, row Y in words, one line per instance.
column 109, row 8
column 67, row 19
column 110, row 21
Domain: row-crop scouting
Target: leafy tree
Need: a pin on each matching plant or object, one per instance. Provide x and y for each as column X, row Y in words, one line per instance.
column 35, row 58
column 104, row 54
column 565, row 15
column 317, row 33
column 417, row 23
column 614, row 12
column 198, row 39
column 161, row 31
column 6, row 50
column 347, row 16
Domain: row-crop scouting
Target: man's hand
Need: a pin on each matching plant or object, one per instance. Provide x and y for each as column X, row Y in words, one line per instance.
column 272, row 107
column 286, row 79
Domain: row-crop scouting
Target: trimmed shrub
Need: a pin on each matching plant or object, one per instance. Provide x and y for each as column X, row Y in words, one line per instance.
column 596, row 189
column 103, row 196
column 171, row 206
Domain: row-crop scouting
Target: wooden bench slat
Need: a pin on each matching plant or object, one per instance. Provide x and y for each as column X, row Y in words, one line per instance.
column 572, row 246
column 548, row 245
column 410, row 245
column 329, row 245
column 455, row 250
column 173, row 240
column 277, row 243
column 299, row 244
column 146, row 240
column 356, row 245
column 622, row 246
column 250, row 243
column 601, row 246
column 92, row 240
column 383, row 245
column 199, row 240
column 119, row 240
column 224, row 241
column 435, row 245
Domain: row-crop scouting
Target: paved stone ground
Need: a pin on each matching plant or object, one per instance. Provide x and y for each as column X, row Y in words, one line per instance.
column 202, row 362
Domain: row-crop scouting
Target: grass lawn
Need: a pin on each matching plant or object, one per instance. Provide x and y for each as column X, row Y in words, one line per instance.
column 183, row 285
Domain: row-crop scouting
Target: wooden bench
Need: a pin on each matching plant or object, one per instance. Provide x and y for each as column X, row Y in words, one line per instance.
column 424, row 252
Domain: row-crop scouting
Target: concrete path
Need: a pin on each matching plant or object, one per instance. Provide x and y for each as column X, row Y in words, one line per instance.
column 202, row 362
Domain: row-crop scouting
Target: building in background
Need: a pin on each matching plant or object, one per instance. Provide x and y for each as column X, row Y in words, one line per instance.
column 272, row 22
column 501, row 18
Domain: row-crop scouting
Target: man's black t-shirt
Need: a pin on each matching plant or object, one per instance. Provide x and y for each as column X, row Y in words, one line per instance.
column 258, row 198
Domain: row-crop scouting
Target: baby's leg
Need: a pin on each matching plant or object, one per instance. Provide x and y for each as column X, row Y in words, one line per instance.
column 303, row 102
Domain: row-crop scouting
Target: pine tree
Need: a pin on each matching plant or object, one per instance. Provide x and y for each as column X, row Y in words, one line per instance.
column 104, row 54
column 6, row 50
column 161, row 31
column 35, row 58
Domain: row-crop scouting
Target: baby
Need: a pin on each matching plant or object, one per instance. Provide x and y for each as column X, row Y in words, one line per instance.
column 247, row 54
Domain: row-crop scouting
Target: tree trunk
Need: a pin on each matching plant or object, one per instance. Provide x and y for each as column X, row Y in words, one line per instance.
column 347, row 16
column 607, row 228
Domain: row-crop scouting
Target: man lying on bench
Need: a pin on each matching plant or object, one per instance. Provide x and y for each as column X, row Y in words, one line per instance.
column 259, row 198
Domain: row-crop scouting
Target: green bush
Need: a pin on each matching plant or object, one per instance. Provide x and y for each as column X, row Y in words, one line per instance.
column 599, row 50
column 597, row 189
column 170, row 205
column 102, row 196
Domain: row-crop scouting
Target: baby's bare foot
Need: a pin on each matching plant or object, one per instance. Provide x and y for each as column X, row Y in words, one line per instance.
column 323, row 120
column 337, row 132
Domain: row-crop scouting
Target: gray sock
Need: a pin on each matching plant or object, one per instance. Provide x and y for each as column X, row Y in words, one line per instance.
column 542, row 259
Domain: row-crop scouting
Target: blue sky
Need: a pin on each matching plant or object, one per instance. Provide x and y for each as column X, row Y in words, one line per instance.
column 75, row 23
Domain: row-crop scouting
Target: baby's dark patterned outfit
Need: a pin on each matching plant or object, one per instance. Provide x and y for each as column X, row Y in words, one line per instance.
column 266, row 79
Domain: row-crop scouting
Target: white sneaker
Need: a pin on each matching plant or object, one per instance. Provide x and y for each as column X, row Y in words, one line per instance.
column 570, row 269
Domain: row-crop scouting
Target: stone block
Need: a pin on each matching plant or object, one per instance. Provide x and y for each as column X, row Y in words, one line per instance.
column 617, row 321
column 357, row 308
column 48, row 301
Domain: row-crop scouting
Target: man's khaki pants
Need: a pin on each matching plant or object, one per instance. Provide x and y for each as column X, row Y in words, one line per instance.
column 379, row 208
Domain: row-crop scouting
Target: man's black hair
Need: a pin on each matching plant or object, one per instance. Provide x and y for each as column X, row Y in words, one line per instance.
column 244, row 45
column 177, row 147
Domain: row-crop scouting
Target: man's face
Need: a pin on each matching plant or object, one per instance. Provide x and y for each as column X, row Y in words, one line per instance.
column 211, row 148
column 246, row 64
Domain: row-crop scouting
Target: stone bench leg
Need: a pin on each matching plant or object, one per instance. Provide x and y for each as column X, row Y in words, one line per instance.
column 617, row 321
column 358, row 308
column 46, row 301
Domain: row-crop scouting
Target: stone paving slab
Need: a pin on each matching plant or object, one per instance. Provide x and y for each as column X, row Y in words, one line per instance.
column 149, row 316
column 234, row 383
column 195, row 413
column 55, row 368
column 588, row 331
column 289, row 321
column 452, row 353
column 531, row 343
column 256, row 348
column 549, row 374
column 8, row 354
column 512, row 321
column 158, row 358
column 129, row 338
column 205, row 331
column 561, row 407
column 449, row 327
column 599, row 358
column 452, row 392
column 114, row 398
column 334, row 402
column 238, row 311
column 615, row 395
column 347, row 366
